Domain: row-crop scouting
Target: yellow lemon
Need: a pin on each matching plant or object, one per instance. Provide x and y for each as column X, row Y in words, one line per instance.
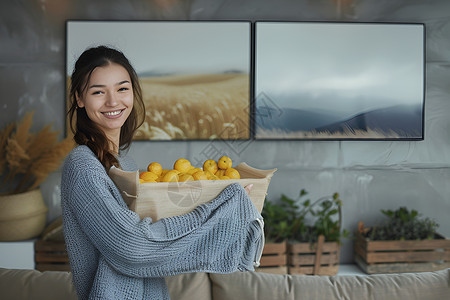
column 141, row 180
column 150, row 181
column 146, row 176
column 185, row 177
column 224, row 163
column 214, row 177
column 210, row 165
column 220, row 172
column 182, row 165
column 155, row 167
column 232, row 173
column 224, row 177
column 208, row 174
column 200, row 175
column 171, row 176
column 194, row 170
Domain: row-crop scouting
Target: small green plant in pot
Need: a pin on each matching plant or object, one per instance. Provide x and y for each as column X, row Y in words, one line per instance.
column 313, row 219
column 301, row 223
column 277, row 228
column 403, row 224
column 404, row 242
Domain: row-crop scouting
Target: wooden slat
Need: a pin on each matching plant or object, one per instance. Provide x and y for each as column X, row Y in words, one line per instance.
column 308, row 248
column 40, row 245
column 319, row 250
column 52, row 267
column 408, row 245
column 274, row 256
column 51, row 256
column 326, row 259
column 273, row 270
column 399, row 267
column 412, row 256
column 369, row 246
column 45, row 257
column 276, row 260
column 274, row 248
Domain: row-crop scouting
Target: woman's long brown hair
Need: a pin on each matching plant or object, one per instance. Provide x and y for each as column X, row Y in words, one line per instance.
column 87, row 132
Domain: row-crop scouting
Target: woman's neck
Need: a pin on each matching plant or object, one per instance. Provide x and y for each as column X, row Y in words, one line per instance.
column 114, row 143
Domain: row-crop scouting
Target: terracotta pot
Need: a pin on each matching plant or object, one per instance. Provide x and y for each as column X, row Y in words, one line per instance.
column 22, row 216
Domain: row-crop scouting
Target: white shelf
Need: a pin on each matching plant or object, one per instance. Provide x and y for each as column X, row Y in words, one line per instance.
column 350, row 269
column 20, row 255
column 17, row 255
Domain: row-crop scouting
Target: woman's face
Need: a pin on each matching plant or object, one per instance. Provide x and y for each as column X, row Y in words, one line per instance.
column 108, row 98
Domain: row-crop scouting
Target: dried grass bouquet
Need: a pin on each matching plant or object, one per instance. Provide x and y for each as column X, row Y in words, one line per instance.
column 26, row 158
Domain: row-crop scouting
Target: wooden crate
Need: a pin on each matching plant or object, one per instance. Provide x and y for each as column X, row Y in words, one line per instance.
column 321, row 258
column 402, row 256
column 274, row 259
column 50, row 256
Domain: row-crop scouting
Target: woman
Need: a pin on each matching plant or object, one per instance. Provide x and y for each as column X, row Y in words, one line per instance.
column 113, row 253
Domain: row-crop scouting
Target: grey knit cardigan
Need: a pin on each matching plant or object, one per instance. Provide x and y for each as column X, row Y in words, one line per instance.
column 115, row 255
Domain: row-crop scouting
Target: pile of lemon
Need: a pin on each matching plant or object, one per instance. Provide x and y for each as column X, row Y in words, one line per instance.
column 184, row 171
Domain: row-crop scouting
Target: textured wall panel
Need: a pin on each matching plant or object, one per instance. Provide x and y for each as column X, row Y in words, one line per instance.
column 369, row 175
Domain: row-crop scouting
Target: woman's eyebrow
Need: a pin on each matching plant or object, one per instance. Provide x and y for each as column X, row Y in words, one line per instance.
column 123, row 82
column 102, row 85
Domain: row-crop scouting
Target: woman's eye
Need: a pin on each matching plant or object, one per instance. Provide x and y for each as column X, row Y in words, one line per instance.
column 123, row 89
column 96, row 92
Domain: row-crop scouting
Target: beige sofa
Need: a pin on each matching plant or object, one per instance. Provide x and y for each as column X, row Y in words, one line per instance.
column 31, row 284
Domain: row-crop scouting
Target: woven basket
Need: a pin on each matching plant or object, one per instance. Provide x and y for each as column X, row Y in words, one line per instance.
column 166, row 199
column 22, row 216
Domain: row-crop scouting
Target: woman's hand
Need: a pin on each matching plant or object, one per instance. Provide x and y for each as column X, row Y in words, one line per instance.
column 248, row 188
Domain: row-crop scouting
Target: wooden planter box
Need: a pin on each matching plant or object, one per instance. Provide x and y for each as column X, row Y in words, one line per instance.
column 274, row 259
column 402, row 256
column 321, row 258
column 50, row 256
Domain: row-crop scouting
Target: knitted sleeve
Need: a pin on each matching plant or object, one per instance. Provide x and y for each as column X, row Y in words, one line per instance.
column 140, row 248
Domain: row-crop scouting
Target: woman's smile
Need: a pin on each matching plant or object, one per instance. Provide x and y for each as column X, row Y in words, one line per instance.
column 114, row 114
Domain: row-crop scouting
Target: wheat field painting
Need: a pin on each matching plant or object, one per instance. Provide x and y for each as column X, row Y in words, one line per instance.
column 206, row 106
column 195, row 75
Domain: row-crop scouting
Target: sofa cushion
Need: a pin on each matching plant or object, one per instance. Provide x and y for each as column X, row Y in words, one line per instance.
column 35, row 285
column 57, row 285
column 191, row 286
column 262, row 286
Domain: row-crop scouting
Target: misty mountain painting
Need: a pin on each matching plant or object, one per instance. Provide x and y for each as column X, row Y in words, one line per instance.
column 195, row 75
column 339, row 81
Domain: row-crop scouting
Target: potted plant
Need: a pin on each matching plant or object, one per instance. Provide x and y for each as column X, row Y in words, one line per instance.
column 314, row 245
column 277, row 230
column 404, row 242
column 303, row 235
column 26, row 159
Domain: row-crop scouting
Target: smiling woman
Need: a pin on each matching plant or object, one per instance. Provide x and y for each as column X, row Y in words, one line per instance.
column 113, row 253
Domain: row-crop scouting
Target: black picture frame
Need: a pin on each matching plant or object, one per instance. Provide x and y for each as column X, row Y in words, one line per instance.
column 195, row 75
column 339, row 81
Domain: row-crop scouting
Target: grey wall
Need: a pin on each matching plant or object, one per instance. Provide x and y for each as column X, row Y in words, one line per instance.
column 369, row 175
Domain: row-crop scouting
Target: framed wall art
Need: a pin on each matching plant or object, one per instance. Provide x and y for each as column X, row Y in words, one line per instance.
column 195, row 75
column 339, row 81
